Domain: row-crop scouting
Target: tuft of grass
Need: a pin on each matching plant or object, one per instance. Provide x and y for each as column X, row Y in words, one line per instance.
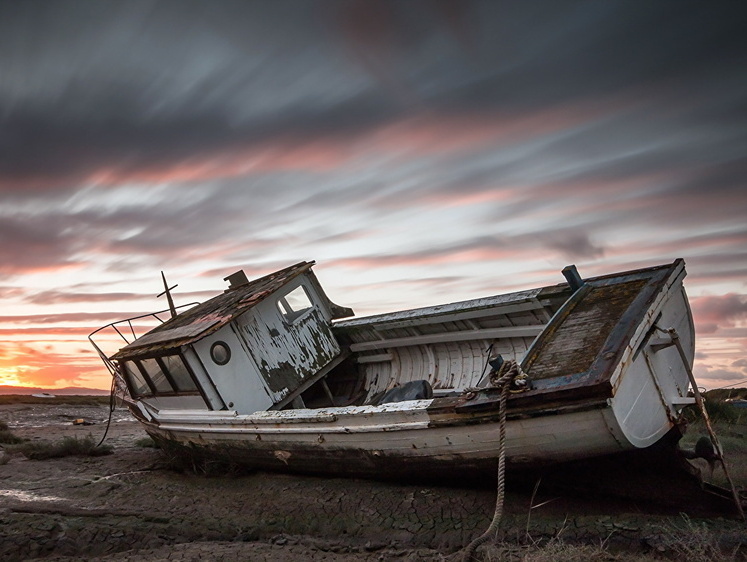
column 554, row 550
column 6, row 436
column 66, row 447
column 719, row 411
column 726, row 393
column 691, row 540
column 146, row 442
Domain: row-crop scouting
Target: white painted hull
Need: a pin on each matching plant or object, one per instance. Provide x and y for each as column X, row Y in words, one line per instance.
column 651, row 387
column 398, row 438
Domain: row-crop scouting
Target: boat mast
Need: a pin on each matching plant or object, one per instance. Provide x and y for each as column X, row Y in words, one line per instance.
column 167, row 292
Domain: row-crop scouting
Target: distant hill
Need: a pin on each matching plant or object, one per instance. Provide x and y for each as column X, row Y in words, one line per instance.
column 727, row 393
column 67, row 391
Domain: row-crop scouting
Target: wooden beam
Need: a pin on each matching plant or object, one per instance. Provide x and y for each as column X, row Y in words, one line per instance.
column 446, row 337
column 379, row 358
column 457, row 315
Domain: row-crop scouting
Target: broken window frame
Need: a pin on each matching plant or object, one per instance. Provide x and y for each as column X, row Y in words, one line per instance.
column 290, row 313
column 177, row 379
column 129, row 371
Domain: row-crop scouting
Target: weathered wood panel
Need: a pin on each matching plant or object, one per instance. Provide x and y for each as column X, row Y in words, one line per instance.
column 579, row 337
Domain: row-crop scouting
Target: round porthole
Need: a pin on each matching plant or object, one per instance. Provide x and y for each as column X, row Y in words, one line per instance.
column 220, row 353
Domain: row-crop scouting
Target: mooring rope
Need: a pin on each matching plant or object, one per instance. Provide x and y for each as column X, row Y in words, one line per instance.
column 502, row 379
column 112, row 406
column 675, row 337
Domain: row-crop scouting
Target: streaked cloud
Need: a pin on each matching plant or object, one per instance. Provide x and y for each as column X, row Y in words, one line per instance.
column 715, row 312
column 421, row 152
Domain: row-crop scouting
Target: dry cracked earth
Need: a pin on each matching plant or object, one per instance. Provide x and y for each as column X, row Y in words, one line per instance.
column 131, row 505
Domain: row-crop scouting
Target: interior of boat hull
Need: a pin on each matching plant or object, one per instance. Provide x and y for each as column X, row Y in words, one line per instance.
column 448, row 348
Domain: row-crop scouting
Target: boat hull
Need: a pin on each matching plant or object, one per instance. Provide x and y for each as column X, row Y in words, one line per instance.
column 604, row 377
column 403, row 441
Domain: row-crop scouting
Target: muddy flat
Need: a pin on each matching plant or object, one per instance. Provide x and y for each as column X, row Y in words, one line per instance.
column 133, row 505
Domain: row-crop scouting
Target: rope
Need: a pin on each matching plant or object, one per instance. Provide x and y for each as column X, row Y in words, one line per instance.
column 502, row 379
column 701, row 406
column 487, row 362
column 112, row 405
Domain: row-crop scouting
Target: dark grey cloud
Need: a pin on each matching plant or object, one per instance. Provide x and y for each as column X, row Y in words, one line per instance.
column 559, row 51
column 570, row 243
column 127, row 87
column 574, row 244
column 27, row 245
column 131, row 86
column 66, row 318
column 59, row 297
column 720, row 374
column 717, row 267
column 157, row 229
column 55, row 297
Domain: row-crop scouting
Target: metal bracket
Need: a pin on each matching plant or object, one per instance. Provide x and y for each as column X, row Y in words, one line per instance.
column 657, row 344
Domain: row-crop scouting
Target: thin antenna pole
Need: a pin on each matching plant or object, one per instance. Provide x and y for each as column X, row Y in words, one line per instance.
column 167, row 292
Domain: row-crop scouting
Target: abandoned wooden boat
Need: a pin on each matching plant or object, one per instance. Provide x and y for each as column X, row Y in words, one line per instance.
column 273, row 375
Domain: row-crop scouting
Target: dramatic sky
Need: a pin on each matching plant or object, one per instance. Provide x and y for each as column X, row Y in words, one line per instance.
column 420, row 151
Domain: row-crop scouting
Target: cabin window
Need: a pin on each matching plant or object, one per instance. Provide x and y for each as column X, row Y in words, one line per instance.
column 135, row 380
column 294, row 304
column 157, row 376
column 179, row 373
column 220, row 353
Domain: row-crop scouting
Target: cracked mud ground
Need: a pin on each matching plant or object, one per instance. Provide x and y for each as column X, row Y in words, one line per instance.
column 130, row 506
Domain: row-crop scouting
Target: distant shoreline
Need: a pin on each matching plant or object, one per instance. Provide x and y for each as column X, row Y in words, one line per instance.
column 69, row 399
column 67, row 391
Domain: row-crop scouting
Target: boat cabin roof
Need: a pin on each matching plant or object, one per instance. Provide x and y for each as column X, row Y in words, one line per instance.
column 207, row 317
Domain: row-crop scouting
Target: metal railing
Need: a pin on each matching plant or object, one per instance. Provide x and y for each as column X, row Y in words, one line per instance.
column 126, row 331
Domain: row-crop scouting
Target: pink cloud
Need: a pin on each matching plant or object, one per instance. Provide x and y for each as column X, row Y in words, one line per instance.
column 437, row 257
column 424, row 134
column 460, row 199
column 719, row 376
column 714, row 312
column 428, row 133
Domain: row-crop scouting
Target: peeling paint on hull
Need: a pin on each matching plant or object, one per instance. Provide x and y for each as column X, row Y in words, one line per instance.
column 415, row 444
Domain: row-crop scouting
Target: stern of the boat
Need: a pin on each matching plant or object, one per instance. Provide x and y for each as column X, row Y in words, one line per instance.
column 650, row 385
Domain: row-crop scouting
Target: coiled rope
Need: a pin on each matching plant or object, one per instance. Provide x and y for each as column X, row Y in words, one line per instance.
column 502, row 379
